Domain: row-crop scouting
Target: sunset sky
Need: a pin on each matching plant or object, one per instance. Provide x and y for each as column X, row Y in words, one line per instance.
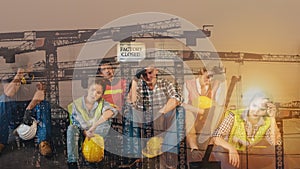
column 270, row 26
column 255, row 26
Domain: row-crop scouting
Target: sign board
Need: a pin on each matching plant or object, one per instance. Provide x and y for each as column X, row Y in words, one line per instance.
column 131, row 51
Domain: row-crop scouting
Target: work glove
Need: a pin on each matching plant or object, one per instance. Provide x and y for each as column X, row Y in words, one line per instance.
column 27, row 119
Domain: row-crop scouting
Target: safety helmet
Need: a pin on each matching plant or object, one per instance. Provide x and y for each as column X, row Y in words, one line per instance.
column 202, row 102
column 26, row 132
column 153, row 147
column 93, row 149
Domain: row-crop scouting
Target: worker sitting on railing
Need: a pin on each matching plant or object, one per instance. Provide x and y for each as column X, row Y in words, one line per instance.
column 21, row 99
column 153, row 96
column 243, row 129
column 89, row 115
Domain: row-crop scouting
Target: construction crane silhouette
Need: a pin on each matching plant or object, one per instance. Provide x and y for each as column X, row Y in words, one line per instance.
column 49, row 41
column 53, row 71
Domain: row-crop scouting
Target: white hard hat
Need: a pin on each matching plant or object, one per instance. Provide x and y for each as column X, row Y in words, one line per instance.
column 26, row 132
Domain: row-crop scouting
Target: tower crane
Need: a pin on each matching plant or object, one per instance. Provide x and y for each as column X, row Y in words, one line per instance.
column 55, row 71
column 49, row 41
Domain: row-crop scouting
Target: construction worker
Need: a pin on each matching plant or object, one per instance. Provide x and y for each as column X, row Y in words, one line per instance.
column 242, row 129
column 196, row 115
column 158, row 97
column 89, row 115
column 115, row 88
column 115, row 95
column 18, row 101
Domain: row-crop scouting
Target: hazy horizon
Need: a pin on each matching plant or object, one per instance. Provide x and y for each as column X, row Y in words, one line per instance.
column 239, row 26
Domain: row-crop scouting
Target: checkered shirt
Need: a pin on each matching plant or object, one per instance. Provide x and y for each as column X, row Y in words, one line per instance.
column 225, row 128
column 157, row 97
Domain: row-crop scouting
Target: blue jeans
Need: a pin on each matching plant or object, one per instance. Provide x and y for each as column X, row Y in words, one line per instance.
column 12, row 112
column 5, row 116
column 42, row 112
column 164, row 125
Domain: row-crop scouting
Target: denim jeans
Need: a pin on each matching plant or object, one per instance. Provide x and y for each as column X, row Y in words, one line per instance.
column 164, row 126
column 5, row 118
column 73, row 136
column 12, row 112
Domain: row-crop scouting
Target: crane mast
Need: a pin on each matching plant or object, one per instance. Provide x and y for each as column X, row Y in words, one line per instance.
column 51, row 71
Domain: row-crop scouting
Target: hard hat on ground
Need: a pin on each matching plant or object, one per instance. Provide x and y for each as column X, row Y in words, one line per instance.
column 93, row 149
column 26, row 132
column 153, row 147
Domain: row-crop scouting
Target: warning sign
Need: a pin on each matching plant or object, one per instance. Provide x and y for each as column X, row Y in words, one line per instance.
column 131, row 51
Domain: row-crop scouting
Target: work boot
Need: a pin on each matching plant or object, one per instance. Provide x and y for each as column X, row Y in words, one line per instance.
column 171, row 160
column 72, row 165
column 45, row 148
column 1, row 147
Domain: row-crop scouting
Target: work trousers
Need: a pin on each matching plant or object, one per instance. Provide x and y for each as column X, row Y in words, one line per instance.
column 74, row 138
column 11, row 116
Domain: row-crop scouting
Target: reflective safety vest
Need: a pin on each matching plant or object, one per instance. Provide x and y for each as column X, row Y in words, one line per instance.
column 238, row 131
column 114, row 94
column 78, row 105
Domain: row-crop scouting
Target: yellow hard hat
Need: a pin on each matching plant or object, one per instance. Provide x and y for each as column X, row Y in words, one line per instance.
column 93, row 149
column 153, row 147
column 202, row 102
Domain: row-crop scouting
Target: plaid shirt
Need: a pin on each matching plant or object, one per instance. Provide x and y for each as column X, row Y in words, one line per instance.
column 158, row 97
column 225, row 128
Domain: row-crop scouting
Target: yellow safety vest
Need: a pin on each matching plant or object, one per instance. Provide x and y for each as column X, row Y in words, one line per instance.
column 78, row 105
column 238, row 130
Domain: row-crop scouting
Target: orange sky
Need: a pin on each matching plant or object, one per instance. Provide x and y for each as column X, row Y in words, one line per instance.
column 253, row 26
column 270, row 26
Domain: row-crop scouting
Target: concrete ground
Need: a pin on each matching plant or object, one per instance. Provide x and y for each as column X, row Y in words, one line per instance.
column 26, row 156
